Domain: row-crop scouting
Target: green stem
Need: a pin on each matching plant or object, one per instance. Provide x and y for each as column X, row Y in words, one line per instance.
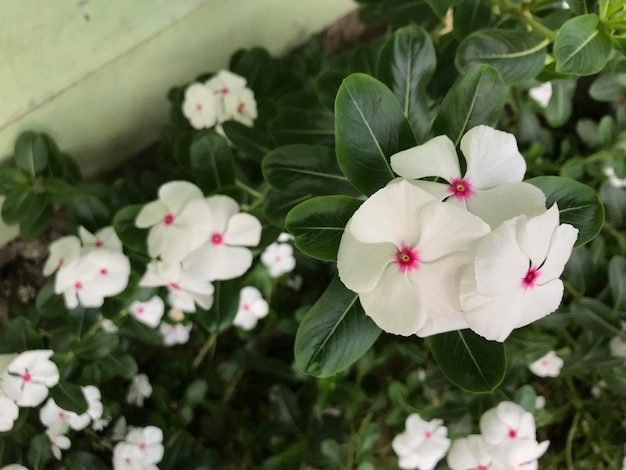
column 537, row 26
column 353, row 441
column 206, row 347
column 249, row 190
column 228, row 393
column 571, row 289
column 570, row 441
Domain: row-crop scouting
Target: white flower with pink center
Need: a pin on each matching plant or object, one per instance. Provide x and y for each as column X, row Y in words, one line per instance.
column 517, row 271
column 58, row 442
column 491, row 186
column 104, row 238
column 176, row 221
column 56, row 419
column 139, row 389
column 185, row 290
column 149, row 312
column 63, row 251
column 252, row 307
column 472, row 453
column 541, row 94
column 222, row 84
column 402, row 252
column 128, row 457
column 29, row 376
column 200, row 106
column 149, row 441
column 547, row 366
column 241, row 106
column 422, row 445
column 227, row 234
column 9, row 412
column 278, row 259
column 175, row 333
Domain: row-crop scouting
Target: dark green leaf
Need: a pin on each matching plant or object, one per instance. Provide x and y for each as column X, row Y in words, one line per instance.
column 119, row 363
column 470, row 16
column 468, row 360
column 595, row 316
column 370, row 127
column 606, row 88
column 64, row 166
column 580, row 47
column 31, row 153
column 286, row 408
column 276, row 205
column 81, row 460
column 18, row 205
column 20, row 336
column 48, row 303
column 212, row 162
column 318, row 223
column 254, row 143
column 617, row 281
column 225, row 304
column 35, row 222
column 13, row 180
column 96, row 346
column 131, row 236
column 39, row 451
column 441, row 7
column 89, row 212
column 476, row 98
column 140, row 331
column 559, row 109
column 579, row 205
column 69, row 396
column 334, row 333
column 60, row 191
column 327, row 85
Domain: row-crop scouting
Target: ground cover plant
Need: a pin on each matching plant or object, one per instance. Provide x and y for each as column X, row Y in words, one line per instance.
column 410, row 254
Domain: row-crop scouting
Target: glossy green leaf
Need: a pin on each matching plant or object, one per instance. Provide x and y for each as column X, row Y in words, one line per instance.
column 517, row 55
column 18, row 204
column 476, row 98
column 131, row 236
column 60, row 191
column 89, row 212
column 48, row 303
column 39, row 451
column 334, row 333
column 580, row 47
column 35, row 222
column 13, row 180
column 607, row 88
column 617, row 281
column 96, row 346
column 81, row 460
column 441, row 7
column 470, row 16
column 20, row 336
column 31, row 153
column 305, row 169
column 69, row 396
column 398, row 13
column 469, row 360
column 579, row 205
column 119, row 363
column 225, row 304
column 318, row 224
column 327, row 85
column 406, row 64
column 62, row 165
column 286, row 408
column 277, row 205
column 370, row 127
column 559, row 109
column 212, row 162
column 252, row 142
column 139, row 331
column 595, row 316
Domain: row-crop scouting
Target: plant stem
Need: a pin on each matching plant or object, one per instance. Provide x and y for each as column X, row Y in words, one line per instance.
column 228, row 393
column 571, row 289
column 206, row 347
column 249, row 190
column 569, row 443
column 537, row 26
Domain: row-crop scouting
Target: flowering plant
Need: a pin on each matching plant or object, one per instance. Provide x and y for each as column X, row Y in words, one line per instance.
column 366, row 260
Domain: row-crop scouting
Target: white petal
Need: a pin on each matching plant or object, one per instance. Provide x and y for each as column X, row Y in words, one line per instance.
column 540, row 301
column 492, row 157
column 438, row 190
column 493, row 317
column 177, row 194
column 507, row 201
column 442, row 324
column 222, row 209
column 9, row 412
column 62, row 252
column 220, row 262
column 437, row 157
column 151, row 214
column 437, row 284
column 548, row 365
column 559, row 251
column 534, row 236
column 469, row 453
column 243, row 229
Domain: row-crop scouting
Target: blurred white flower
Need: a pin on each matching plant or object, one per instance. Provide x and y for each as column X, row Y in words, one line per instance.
column 471, row 453
column 222, row 84
column 29, row 376
column 423, row 443
column 94, row 401
column 108, row 326
column 284, row 237
column 176, row 315
column 118, row 433
column 58, row 442
column 200, row 106
column 103, row 238
column 63, row 251
column 99, row 424
column 13, row 466
column 252, row 307
column 540, row 402
column 547, row 366
column 176, row 333
column 149, row 441
column 149, row 312
column 541, row 94
column 139, row 390
column 278, row 259
column 127, row 457
column 56, row 419
column 241, row 106
column 9, row 412
column 614, row 181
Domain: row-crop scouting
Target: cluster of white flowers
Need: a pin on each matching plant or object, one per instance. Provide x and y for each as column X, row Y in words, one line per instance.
column 141, row 449
column 222, row 98
column 252, row 307
column 150, row 313
column 194, row 241
column 428, row 257
column 507, row 441
column 24, row 382
column 278, row 257
column 89, row 268
column 548, row 365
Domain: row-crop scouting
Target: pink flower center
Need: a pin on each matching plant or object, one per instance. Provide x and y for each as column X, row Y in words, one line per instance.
column 127, row 460
column 142, row 446
column 104, row 271
column 140, row 310
column 61, row 415
column 61, row 261
column 27, row 377
column 224, row 91
column 199, row 107
column 277, row 258
column 217, row 238
column 98, row 244
column 460, row 188
column 482, row 467
column 168, row 219
column 428, row 435
column 174, row 286
column 530, row 279
column 512, row 433
column 246, row 307
column 544, row 362
column 406, row 258
column 78, row 285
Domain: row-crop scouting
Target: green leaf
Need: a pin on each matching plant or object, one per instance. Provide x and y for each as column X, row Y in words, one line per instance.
column 579, row 205
column 63, row 166
column 470, row 16
column 60, row 191
column 31, row 153
column 305, row 169
column 318, row 224
column 130, row 235
column 468, row 360
column 617, row 281
column 119, row 363
column 581, row 48
column 35, row 222
column 252, row 142
column 302, row 119
column 517, row 55
column 334, row 333
column 39, row 451
column 398, row 13
column 225, row 304
column 48, row 303
column 606, row 88
column 559, row 109
column 369, row 128
column 89, row 212
column 286, row 408
column 13, row 180
column 478, row 97
column 212, row 161
column 17, row 205
column 276, row 205
column 327, row 85
column 441, row 7
column 406, row 65
column 140, row 331
column 69, row 396
column 81, row 460
column 595, row 316
column 96, row 346
column 20, row 336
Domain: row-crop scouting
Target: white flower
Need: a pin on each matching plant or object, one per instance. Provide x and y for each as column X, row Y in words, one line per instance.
column 174, row 333
column 139, row 390
column 149, row 312
column 471, row 453
column 58, row 442
column 422, row 444
column 614, row 181
column 29, row 376
column 541, row 94
column 547, row 366
column 200, row 106
column 175, row 220
column 56, row 419
column 62, row 252
column 149, row 442
column 127, row 457
column 100, row 424
column 94, row 401
column 252, row 307
column 225, row 82
column 227, row 234
column 540, row 402
column 108, row 326
column 118, row 433
column 517, row 271
column 9, row 412
column 185, row 290
column 617, row 346
column 176, row 315
column 13, row 466
column 241, row 106
column 401, row 252
column 103, row 238
column 278, row 259
column 284, row 237
column 491, row 186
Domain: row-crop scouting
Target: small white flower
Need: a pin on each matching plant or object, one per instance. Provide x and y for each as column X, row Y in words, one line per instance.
column 241, row 106
column 225, row 82
column 139, row 390
column 118, row 433
column 278, row 259
column 29, row 376
column 127, row 457
column 200, row 106
column 56, row 419
column 547, row 366
column 9, row 412
column 99, row 424
column 104, row 238
column 94, row 401
column 62, row 252
column 294, row 282
column 108, row 326
column 174, row 333
column 149, row 312
column 149, row 441
column 541, row 94
column 614, row 181
column 252, row 307
column 540, row 402
column 422, row 445
column 284, row 237
column 58, row 442
column 471, row 453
